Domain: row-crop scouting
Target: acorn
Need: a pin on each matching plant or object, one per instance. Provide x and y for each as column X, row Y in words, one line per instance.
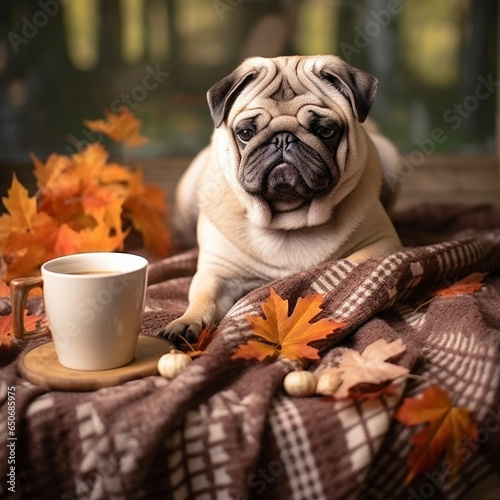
column 300, row 383
column 172, row 363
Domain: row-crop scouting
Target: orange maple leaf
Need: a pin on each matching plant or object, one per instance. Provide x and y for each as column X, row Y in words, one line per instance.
column 83, row 204
column 287, row 335
column 96, row 239
column 149, row 223
column 4, row 289
column 121, row 127
column 70, row 188
column 7, row 326
column 206, row 336
column 466, row 286
column 26, row 236
column 117, row 177
column 446, row 426
column 24, row 253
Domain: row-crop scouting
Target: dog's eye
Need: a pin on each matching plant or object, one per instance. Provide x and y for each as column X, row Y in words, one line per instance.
column 324, row 133
column 245, row 134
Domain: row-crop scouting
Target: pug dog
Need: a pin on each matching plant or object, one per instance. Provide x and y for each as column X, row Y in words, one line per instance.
column 291, row 179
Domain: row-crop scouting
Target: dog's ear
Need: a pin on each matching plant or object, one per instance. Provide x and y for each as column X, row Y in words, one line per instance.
column 359, row 87
column 222, row 95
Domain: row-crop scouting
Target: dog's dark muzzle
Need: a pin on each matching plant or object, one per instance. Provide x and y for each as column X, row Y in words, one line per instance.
column 286, row 169
column 284, row 183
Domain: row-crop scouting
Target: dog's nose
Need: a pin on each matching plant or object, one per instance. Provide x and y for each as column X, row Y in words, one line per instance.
column 282, row 140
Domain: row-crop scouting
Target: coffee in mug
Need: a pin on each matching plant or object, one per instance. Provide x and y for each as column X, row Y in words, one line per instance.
column 94, row 304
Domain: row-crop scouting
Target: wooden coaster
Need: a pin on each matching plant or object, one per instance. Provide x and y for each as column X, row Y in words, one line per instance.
column 41, row 366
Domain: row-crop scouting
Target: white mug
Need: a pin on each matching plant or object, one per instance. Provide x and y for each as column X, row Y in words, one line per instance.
column 94, row 304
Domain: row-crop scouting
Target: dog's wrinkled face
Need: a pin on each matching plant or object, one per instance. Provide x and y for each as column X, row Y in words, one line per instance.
column 283, row 128
column 287, row 160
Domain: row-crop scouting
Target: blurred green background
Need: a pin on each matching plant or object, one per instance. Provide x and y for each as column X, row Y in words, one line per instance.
column 63, row 61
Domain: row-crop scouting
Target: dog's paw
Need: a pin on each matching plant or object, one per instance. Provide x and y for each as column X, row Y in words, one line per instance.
column 182, row 328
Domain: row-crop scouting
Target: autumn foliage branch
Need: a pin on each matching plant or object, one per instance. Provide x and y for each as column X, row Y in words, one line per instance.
column 83, row 203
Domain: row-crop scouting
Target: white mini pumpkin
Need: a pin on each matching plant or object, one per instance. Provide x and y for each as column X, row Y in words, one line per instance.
column 300, row 383
column 328, row 382
column 172, row 363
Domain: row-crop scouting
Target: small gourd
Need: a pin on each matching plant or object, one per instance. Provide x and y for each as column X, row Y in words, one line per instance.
column 328, row 382
column 300, row 383
column 172, row 363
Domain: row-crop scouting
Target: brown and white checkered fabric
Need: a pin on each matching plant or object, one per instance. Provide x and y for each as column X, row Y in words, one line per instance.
column 225, row 429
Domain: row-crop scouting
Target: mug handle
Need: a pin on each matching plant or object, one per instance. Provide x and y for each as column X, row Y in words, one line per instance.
column 19, row 289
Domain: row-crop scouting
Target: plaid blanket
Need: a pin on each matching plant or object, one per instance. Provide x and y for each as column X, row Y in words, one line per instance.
column 225, row 429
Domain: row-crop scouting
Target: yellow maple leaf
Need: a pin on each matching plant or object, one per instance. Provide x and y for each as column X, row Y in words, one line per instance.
column 121, row 127
column 89, row 163
column 49, row 174
column 287, row 335
column 21, row 208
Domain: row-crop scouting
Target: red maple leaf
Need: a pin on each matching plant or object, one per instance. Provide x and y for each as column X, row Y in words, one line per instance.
column 445, row 426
